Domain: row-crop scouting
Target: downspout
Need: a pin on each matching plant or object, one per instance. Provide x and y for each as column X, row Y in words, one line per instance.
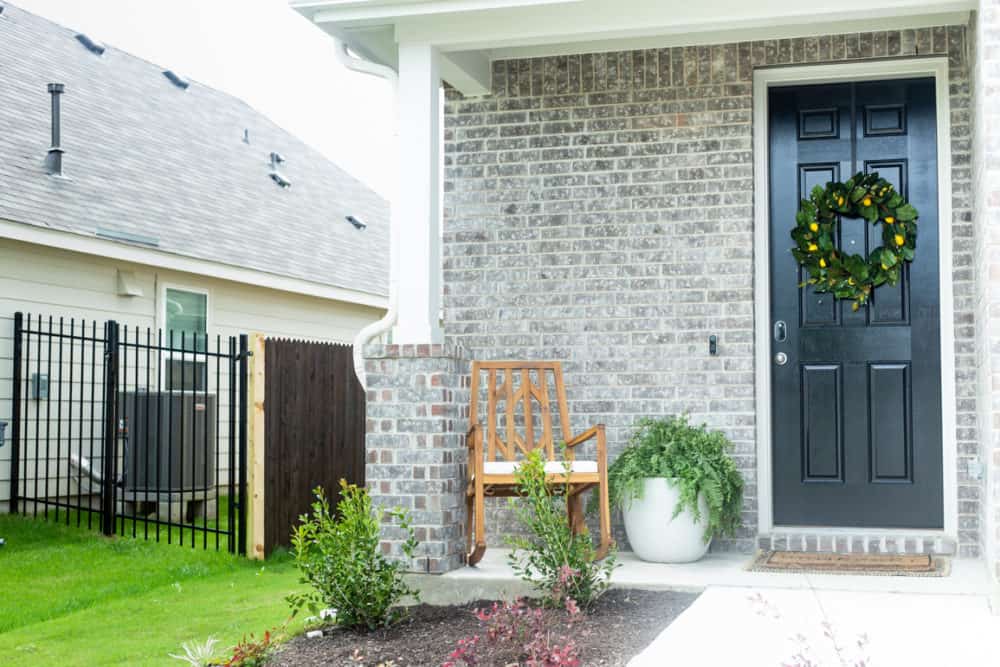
column 389, row 319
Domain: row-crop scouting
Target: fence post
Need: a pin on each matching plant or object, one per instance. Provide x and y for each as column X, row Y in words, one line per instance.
column 15, row 415
column 109, row 451
column 256, row 445
column 243, row 411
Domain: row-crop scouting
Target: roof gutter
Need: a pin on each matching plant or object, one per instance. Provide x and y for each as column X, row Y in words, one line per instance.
column 392, row 314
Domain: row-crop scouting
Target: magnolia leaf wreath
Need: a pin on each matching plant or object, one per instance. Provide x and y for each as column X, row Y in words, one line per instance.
column 854, row 277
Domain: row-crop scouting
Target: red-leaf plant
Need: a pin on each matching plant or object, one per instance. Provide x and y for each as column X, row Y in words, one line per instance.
column 518, row 624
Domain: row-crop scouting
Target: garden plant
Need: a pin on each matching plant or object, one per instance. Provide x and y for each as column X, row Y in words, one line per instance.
column 561, row 564
column 339, row 556
column 695, row 458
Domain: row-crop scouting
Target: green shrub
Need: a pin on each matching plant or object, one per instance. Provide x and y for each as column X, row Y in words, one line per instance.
column 340, row 558
column 558, row 563
column 695, row 457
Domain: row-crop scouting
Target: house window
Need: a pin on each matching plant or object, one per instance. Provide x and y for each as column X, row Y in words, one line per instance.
column 185, row 320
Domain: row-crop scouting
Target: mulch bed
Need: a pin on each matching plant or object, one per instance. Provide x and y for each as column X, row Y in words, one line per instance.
column 621, row 624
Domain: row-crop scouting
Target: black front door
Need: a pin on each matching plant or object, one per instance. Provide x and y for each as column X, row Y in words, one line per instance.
column 856, row 405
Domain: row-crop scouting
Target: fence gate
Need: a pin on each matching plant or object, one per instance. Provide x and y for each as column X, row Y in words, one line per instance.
column 314, row 411
column 129, row 431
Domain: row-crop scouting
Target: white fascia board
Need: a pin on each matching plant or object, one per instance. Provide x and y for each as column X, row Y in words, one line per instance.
column 707, row 37
column 365, row 11
column 596, row 20
column 123, row 252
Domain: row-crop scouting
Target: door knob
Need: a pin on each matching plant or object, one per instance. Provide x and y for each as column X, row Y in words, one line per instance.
column 781, row 358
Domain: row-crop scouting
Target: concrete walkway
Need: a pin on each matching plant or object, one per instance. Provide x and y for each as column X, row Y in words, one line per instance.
column 746, row 619
column 771, row 627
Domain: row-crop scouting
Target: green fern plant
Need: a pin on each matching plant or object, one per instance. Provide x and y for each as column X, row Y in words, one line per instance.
column 694, row 457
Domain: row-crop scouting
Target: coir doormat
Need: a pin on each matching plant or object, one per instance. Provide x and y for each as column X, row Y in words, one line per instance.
column 894, row 565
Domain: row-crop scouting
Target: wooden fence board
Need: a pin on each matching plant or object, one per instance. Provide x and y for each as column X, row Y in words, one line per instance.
column 315, row 429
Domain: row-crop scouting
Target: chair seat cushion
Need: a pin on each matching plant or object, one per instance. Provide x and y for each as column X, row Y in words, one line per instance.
column 551, row 467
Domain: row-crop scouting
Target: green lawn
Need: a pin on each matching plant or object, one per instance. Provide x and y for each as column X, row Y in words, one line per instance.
column 71, row 597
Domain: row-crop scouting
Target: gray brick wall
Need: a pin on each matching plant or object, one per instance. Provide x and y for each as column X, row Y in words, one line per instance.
column 598, row 210
column 416, row 458
column 984, row 38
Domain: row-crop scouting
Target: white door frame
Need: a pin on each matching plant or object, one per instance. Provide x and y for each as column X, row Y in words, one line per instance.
column 763, row 80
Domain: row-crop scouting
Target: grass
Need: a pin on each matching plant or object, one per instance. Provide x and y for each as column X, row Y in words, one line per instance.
column 201, row 531
column 69, row 596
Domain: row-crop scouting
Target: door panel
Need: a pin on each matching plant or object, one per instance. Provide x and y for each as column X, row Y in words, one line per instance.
column 856, row 410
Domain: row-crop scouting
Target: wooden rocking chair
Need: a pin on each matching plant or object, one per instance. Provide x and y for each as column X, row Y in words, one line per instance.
column 491, row 477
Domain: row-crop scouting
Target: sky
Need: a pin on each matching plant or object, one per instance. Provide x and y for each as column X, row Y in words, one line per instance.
column 260, row 51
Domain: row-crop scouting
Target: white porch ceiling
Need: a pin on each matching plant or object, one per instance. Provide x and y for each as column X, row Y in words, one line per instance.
column 472, row 33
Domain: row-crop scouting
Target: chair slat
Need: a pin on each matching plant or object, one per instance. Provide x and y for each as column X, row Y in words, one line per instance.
column 509, row 409
column 563, row 407
column 529, row 425
column 491, row 426
column 543, row 400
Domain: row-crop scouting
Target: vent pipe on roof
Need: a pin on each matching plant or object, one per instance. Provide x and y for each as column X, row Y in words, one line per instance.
column 53, row 162
column 91, row 44
column 176, row 79
column 276, row 175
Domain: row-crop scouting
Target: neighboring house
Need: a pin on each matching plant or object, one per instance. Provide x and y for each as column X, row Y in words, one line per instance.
column 620, row 181
column 168, row 213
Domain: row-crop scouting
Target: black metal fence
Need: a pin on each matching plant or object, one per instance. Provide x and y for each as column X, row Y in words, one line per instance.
column 130, row 431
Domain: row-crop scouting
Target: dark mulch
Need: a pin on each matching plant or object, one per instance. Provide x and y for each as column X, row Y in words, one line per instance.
column 621, row 624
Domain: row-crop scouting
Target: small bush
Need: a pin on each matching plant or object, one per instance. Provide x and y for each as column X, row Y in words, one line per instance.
column 558, row 563
column 251, row 652
column 197, row 654
column 340, row 558
column 516, row 628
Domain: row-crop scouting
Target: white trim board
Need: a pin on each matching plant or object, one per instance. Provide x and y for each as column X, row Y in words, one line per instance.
column 765, row 79
column 64, row 240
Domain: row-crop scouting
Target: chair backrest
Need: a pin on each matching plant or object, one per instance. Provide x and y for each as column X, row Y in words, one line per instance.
column 512, row 390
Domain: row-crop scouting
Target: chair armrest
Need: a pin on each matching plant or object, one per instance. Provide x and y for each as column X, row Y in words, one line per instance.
column 589, row 434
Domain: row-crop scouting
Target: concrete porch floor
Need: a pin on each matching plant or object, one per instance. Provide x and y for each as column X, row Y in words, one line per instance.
column 967, row 577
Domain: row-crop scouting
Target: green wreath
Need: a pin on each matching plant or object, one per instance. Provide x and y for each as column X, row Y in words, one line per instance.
column 847, row 276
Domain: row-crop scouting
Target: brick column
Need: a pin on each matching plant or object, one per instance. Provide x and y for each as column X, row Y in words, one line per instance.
column 417, row 415
column 985, row 48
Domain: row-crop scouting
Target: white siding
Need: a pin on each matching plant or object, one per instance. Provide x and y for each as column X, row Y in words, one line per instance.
column 40, row 280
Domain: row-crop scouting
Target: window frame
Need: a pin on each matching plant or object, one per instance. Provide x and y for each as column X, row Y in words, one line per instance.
column 169, row 355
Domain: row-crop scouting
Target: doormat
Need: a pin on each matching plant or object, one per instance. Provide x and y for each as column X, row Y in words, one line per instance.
column 892, row 565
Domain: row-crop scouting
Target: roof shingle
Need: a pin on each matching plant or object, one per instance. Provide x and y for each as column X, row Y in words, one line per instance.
column 145, row 157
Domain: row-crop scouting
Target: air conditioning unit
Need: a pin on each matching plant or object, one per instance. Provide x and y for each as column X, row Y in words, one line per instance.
column 169, row 441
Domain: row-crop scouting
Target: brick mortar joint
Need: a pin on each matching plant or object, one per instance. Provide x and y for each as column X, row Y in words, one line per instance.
column 448, row 350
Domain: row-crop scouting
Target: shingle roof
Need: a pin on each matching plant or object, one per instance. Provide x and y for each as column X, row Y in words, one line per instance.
column 147, row 158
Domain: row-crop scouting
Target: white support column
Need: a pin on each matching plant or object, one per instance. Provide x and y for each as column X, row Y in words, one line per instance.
column 418, row 204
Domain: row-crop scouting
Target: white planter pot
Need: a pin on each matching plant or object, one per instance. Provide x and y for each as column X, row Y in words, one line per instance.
column 656, row 537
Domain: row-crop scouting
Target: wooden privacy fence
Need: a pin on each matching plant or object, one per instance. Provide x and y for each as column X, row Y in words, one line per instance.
column 308, row 430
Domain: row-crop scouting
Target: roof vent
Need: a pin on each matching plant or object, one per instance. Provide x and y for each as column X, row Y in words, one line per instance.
column 127, row 237
column 246, row 136
column 356, row 222
column 53, row 161
column 276, row 175
column 176, row 79
column 91, row 45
